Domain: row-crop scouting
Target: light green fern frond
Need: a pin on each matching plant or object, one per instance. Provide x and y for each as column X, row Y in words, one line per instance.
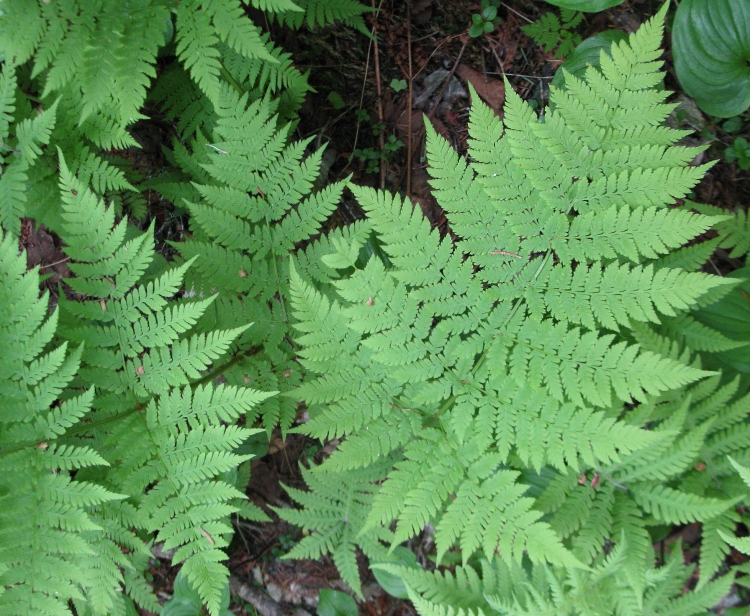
column 168, row 437
column 541, row 590
column 48, row 535
column 514, row 348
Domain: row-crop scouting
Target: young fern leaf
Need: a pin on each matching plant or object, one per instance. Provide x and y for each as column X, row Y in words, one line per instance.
column 734, row 232
column 336, row 508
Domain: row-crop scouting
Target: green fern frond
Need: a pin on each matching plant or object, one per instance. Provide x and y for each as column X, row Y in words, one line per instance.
column 539, row 590
column 514, row 348
column 734, row 232
column 316, row 13
column 47, row 541
column 335, row 511
column 22, row 150
column 167, row 442
column 255, row 204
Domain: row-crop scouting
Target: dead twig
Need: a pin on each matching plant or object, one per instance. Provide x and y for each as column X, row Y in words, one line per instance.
column 408, row 107
column 379, row 89
column 512, row 10
column 55, row 263
column 439, row 96
column 255, row 597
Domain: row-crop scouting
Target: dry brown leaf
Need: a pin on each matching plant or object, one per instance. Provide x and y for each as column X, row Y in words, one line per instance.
column 490, row 89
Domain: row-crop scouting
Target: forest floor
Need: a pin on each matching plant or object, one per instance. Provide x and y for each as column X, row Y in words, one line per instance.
column 369, row 109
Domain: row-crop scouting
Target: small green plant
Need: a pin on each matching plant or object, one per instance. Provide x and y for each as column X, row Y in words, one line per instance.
column 485, row 21
column 372, row 157
column 549, row 31
column 336, row 603
column 335, row 99
column 739, row 152
column 732, row 125
column 399, row 85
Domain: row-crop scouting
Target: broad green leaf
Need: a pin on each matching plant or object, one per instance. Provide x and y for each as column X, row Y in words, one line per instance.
column 587, row 6
column 711, row 46
column 391, row 583
column 336, row 603
column 185, row 600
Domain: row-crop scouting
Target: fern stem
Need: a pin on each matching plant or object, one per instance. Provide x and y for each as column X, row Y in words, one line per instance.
column 232, row 81
column 480, row 360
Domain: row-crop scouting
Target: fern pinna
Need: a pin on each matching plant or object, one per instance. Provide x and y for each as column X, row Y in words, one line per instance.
column 152, row 438
column 525, row 353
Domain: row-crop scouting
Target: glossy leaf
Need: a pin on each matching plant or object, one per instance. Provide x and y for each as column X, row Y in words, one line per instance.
column 711, row 46
column 336, row 603
column 587, row 6
column 391, row 583
column 186, row 601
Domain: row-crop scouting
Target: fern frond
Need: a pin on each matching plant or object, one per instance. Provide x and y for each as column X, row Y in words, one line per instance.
column 196, row 46
column 316, row 13
column 514, row 348
column 46, row 555
column 734, row 232
column 170, row 443
column 255, row 205
column 335, row 512
column 30, row 134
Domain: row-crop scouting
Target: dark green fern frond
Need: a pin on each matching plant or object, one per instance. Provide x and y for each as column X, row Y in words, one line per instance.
column 168, row 442
column 335, row 511
column 20, row 151
column 253, row 207
column 316, row 13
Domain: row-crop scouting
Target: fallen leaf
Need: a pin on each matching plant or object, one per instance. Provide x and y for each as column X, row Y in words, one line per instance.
column 490, row 89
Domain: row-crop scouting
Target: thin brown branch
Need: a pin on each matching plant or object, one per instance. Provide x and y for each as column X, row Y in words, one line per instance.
column 439, row 96
column 379, row 89
column 55, row 263
column 408, row 107
column 256, row 597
